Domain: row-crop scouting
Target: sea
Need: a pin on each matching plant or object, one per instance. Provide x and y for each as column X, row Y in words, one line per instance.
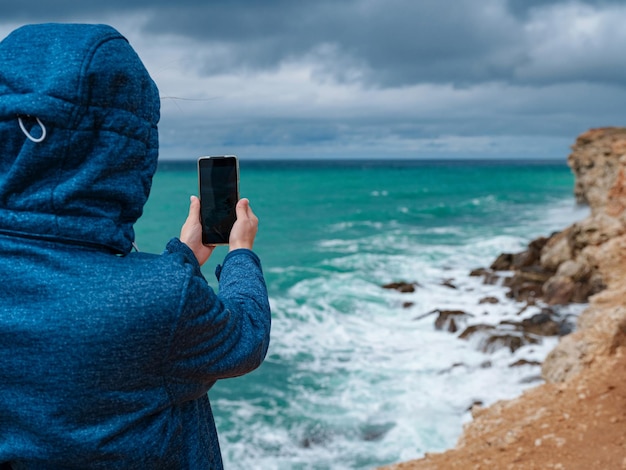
column 357, row 376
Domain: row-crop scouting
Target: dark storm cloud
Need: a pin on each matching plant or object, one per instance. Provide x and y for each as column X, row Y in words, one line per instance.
column 384, row 43
column 523, row 7
column 392, row 43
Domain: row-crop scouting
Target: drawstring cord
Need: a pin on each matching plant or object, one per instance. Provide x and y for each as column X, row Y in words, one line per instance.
column 27, row 134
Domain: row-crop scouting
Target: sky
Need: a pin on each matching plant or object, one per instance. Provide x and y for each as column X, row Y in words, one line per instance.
column 386, row 79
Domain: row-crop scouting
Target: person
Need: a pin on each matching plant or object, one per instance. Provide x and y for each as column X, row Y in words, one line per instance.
column 106, row 353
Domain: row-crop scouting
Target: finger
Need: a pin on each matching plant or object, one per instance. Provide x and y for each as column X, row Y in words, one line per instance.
column 194, row 209
column 243, row 208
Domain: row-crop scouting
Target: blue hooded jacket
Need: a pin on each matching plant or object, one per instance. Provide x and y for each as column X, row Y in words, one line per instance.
column 106, row 356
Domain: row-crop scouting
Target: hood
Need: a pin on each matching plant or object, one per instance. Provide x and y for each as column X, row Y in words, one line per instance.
column 86, row 179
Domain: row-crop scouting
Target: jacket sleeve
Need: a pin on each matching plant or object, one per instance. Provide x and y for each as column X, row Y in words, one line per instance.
column 225, row 335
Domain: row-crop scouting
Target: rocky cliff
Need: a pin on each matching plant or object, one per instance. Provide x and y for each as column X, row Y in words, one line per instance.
column 576, row 419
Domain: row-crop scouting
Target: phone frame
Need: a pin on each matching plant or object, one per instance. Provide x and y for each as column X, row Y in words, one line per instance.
column 214, row 158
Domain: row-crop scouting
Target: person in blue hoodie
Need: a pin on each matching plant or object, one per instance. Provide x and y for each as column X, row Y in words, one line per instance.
column 106, row 354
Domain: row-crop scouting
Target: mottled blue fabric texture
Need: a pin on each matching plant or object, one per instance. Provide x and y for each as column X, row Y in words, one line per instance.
column 90, row 177
column 106, row 356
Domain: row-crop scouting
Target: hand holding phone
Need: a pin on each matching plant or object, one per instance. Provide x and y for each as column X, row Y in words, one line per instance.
column 191, row 233
column 246, row 226
column 219, row 193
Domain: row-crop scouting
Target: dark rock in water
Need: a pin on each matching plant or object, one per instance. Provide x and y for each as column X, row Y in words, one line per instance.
column 539, row 243
column 513, row 334
column 534, row 274
column 566, row 327
column 507, row 340
column 527, row 283
column 504, row 262
column 541, row 324
column 375, row 432
column 491, row 338
column 489, row 277
column 524, row 259
column 531, row 256
column 524, row 362
column 407, row 304
column 479, row 272
column 449, row 319
column 475, row 403
column 524, row 291
column 531, row 379
column 402, row 286
column 488, row 300
column 448, row 283
column 452, row 367
column 315, row 436
column 473, row 329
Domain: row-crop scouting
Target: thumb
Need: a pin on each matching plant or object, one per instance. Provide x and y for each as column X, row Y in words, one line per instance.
column 243, row 209
column 245, row 228
column 194, row 210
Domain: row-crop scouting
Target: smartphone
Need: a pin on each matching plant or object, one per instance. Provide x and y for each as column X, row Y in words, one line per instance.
column 218, row 178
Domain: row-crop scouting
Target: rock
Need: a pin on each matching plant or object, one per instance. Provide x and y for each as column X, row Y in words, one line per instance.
column 576, row 270
column 531, row 379
column 594, row 230
column 376, row 431
column 556, row 251
column 534, row 273
column 504, row 262
column 541, row 324
column 531, row 256
column 595, row 161
column 566, row 360
column 562, row 290
column 479, row 272
column 559, row 291
column 489, row 338
column 508, row 340
column 404, row 287
column 473, row 329
column 488, row 300
column 524, row 291
column 524, row 362
column 475, row 404
column 449, row 319
column 489, row 277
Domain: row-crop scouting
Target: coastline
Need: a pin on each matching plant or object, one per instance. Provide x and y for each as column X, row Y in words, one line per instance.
column 576, row 418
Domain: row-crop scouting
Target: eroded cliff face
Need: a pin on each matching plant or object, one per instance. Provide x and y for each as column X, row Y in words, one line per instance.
column 596, row 245
column 577, row 418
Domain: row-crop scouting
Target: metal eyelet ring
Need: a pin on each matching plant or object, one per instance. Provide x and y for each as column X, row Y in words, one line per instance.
column 27, row 134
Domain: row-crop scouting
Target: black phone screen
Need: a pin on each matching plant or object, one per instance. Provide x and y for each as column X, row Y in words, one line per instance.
column 219, row 193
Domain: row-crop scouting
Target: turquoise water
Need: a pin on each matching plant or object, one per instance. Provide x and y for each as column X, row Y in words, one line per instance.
column 352, row 380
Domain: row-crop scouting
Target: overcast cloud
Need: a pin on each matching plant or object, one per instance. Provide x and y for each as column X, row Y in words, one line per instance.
column 369, row 78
